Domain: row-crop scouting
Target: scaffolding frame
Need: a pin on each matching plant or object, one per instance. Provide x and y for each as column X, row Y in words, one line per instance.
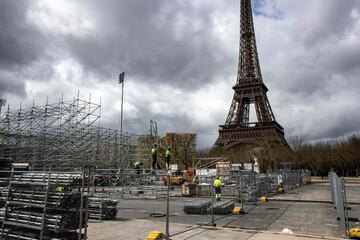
column 66, row 135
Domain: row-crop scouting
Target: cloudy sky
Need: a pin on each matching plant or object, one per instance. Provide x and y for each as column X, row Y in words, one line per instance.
column 180, row 57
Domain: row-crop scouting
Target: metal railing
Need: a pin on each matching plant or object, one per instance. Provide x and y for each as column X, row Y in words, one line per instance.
column 338, row 198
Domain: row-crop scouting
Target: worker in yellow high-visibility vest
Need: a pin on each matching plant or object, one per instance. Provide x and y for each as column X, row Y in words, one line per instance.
column 217, row 184
column 137, row 166
column 167, row 157
column 60, row 188
column 154, row 164
column 196, row 180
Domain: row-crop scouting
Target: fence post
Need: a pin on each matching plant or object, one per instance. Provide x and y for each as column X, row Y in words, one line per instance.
column 242, row 192
column 212, row 202
column 167, row 204
column 346, row 216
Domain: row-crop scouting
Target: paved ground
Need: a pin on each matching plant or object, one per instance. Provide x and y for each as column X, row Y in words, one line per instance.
column 137, row 229
column 301, row 217
column 319, row 191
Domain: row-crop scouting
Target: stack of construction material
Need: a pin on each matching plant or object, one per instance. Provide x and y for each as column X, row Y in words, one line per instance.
column 43, row 206
column 24, row 234
column 197, row 207
column 32, row 218
column 41, row 178
column 5, row 165
column 35, row 197
column 2, row 200
column 102, row 208
column 223, row 207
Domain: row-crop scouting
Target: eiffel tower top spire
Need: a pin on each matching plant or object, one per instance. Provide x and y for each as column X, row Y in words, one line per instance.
column 249, row 67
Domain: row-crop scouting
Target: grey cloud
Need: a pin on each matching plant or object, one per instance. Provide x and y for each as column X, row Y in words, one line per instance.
column 20, row 43
column 322, row 21
column 344, row 126
column 8, row 85
column 314, row 64
column 344, row 59
column 140, row 37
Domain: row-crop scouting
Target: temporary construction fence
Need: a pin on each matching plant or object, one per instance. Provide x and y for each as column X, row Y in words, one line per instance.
column 243, row 186
column 43, row 205
column 338, row 198
column 250, row 185
column 292, row 178
column 118, row 184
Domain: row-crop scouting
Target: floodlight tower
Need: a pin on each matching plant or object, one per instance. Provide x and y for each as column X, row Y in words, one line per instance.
column 2, row 103
column 121, row 81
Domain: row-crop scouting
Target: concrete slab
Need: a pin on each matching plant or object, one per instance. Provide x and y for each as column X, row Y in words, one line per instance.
column 138, row 229
column 308, row 218
column 318, row 192
column 302, row 218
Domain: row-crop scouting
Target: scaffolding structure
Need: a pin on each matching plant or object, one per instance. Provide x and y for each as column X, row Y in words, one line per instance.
column 36, row 209
column 64, row 136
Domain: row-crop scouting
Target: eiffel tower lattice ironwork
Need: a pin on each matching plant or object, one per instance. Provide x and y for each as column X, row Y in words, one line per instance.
column 249, row 89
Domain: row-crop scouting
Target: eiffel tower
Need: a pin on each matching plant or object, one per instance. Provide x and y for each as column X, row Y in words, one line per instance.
column 250, row 90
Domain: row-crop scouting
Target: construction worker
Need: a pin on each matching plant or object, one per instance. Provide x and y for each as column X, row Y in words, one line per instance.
column 217, row 184
column 137, row 166
column 118, row 179
column 280, row 181
column 155, row 164
column 167, row 157
column 60, row 188
column 196, row 180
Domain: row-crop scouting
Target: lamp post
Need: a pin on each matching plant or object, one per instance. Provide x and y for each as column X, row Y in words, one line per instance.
column 2, row 104
column 121, row 81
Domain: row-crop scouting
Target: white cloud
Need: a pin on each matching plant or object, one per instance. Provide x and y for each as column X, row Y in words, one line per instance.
column 60, row 16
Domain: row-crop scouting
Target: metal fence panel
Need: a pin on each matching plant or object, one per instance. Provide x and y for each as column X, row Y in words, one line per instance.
column 337, row 189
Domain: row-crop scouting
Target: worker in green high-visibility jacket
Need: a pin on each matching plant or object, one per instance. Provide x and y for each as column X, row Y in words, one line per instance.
column 137, row 166
column 168, row 157
column 154, row 164
column 196, row 180
column 118, row 179
column 60, row 188
column 217, row 184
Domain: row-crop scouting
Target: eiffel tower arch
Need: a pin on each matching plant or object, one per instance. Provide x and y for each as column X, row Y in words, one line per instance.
column 238, row 134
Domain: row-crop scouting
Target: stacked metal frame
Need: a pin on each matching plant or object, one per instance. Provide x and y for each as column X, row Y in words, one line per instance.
column 224, row 207
column 44, row 205
column 197, row 207
column 102, row 208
